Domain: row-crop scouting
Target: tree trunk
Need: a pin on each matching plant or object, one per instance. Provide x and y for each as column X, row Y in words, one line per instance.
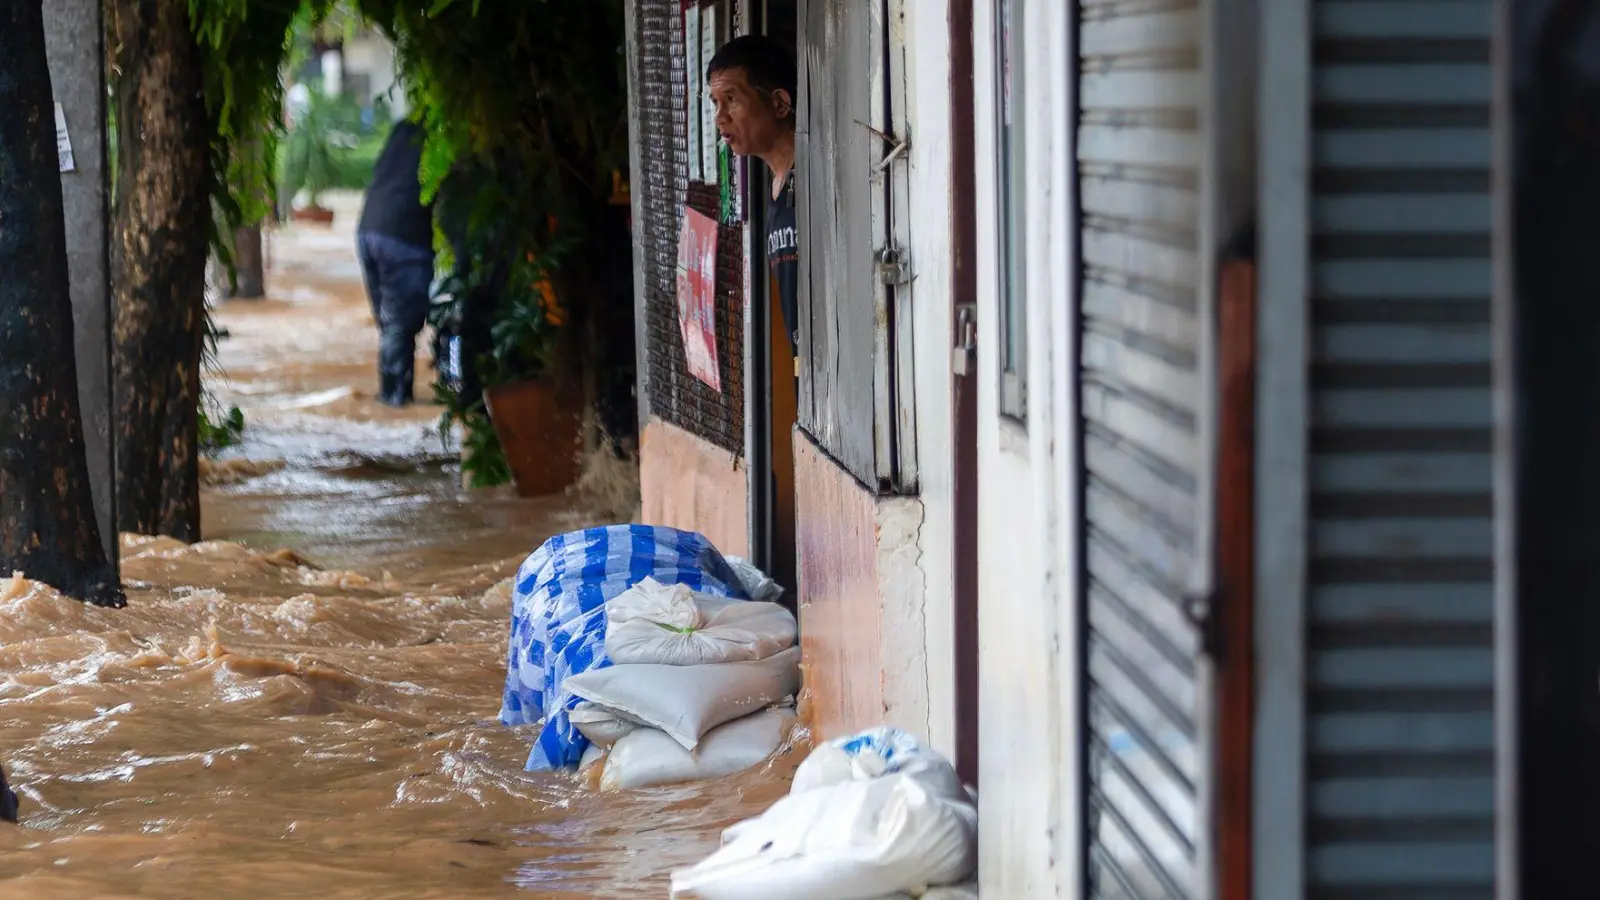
column 250, row 276
column 48, row 528
column 159, row 248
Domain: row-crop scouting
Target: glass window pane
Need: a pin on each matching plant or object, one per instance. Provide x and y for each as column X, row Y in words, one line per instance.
column 1013, row 312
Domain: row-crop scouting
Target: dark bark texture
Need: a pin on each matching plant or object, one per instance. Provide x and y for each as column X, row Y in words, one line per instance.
column 47, row 522
column 158, row 259
column 249, row 263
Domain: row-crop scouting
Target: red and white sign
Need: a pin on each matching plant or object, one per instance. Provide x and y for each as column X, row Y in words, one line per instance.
column 697, row 295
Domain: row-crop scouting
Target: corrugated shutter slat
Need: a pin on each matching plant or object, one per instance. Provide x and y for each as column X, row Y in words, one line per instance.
column 1400, row 630
column 1139, row 154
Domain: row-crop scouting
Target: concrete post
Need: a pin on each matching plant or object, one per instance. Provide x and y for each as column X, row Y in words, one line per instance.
column 75, row 43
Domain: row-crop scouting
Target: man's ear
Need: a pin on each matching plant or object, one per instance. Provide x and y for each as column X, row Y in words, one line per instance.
column 782, row 103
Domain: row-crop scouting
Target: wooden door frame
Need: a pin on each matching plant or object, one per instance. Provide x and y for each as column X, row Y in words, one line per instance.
column 964, row 397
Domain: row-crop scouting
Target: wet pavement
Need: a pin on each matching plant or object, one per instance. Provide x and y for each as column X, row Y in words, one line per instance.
column 305, row 704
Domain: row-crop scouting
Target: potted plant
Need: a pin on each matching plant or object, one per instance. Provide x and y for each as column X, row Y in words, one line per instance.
column 315, row 150
column 536, row 406
column 526, row 424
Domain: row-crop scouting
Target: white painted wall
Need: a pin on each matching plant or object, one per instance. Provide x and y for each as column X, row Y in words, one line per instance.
column 902, row 595
column 925, row 27
column 372, row 54
column 1030, row 832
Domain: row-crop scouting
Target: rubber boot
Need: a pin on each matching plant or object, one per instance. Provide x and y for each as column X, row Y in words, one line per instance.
column 396, row 368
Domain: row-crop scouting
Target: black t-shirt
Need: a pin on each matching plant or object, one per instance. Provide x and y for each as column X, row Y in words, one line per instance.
column 783, row 260
column 393, row 206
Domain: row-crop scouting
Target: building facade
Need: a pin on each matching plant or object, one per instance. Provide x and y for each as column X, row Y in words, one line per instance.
column 1144, row 446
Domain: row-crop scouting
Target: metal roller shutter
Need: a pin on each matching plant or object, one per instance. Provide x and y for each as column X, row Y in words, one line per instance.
column 1140, row 155
column 1400, row 659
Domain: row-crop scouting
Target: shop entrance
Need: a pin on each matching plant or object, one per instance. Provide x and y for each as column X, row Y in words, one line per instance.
column 774, row 369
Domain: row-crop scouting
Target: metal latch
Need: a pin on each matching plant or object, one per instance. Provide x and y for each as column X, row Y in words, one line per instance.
column 894, row 269
column 964, row 356
column 898, row 148
column 1200, row 608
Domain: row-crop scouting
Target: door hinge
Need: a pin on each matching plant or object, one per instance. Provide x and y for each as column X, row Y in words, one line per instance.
column 964, row 355
column 894, row 267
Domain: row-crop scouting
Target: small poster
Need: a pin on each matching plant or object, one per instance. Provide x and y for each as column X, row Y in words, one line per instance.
column 697, row 292
column 696, row 88
column 709, row 139
column 64, row 143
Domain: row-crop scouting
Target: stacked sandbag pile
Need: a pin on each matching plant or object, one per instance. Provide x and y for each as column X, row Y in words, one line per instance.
column 872, row 817
column 558, row 617
column 698, row 687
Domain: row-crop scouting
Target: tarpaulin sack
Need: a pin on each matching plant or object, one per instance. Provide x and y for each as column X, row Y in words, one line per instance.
column 558, row 617
column 671, row 625
column 648, row 758
column 688, row 701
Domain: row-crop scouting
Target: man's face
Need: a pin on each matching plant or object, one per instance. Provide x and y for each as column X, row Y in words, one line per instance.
column 749, row 120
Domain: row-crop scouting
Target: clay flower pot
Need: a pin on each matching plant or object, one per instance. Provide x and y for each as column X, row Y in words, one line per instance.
column 314, row 214
column 540, row 426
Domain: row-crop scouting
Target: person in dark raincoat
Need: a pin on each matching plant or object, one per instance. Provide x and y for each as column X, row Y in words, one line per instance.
column 395, row 245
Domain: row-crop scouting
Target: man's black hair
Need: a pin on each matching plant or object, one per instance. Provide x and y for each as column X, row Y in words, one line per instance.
column 767, row 64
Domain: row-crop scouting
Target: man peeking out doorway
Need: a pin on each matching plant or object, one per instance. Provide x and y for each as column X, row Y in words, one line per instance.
column 752, row 83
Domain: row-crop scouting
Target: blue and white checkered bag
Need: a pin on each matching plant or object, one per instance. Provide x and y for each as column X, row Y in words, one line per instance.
column 558, row 617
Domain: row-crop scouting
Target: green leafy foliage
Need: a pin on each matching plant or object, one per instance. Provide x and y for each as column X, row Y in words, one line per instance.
column 525, row 107
column 356, row 173
column 524, row 104
column 219, row 429
column 320, row 145
column 243, row 44
column 483, row 459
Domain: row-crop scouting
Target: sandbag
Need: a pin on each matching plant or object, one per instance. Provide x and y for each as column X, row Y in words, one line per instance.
column 873, row 754
column 672, row 625
column 603, row 727
column 593, row 756
column 558, row 617
column 856, row 840
column 649, row 758
column 968, row 891
column 688, row 701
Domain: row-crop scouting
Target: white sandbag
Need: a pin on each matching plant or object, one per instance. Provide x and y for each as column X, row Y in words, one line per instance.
column 602, row 726
column 649, row 758
column 757, row 586
column 856, row 840
column 688, row 701
column 667, row 605
column 873, row 754
column 593, row 755
column 968, row 891
column 655, row 624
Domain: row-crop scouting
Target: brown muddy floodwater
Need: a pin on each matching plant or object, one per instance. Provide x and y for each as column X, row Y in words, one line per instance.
column 305, row 705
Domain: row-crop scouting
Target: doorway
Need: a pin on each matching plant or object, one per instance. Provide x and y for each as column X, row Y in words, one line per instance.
column 774, row 365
